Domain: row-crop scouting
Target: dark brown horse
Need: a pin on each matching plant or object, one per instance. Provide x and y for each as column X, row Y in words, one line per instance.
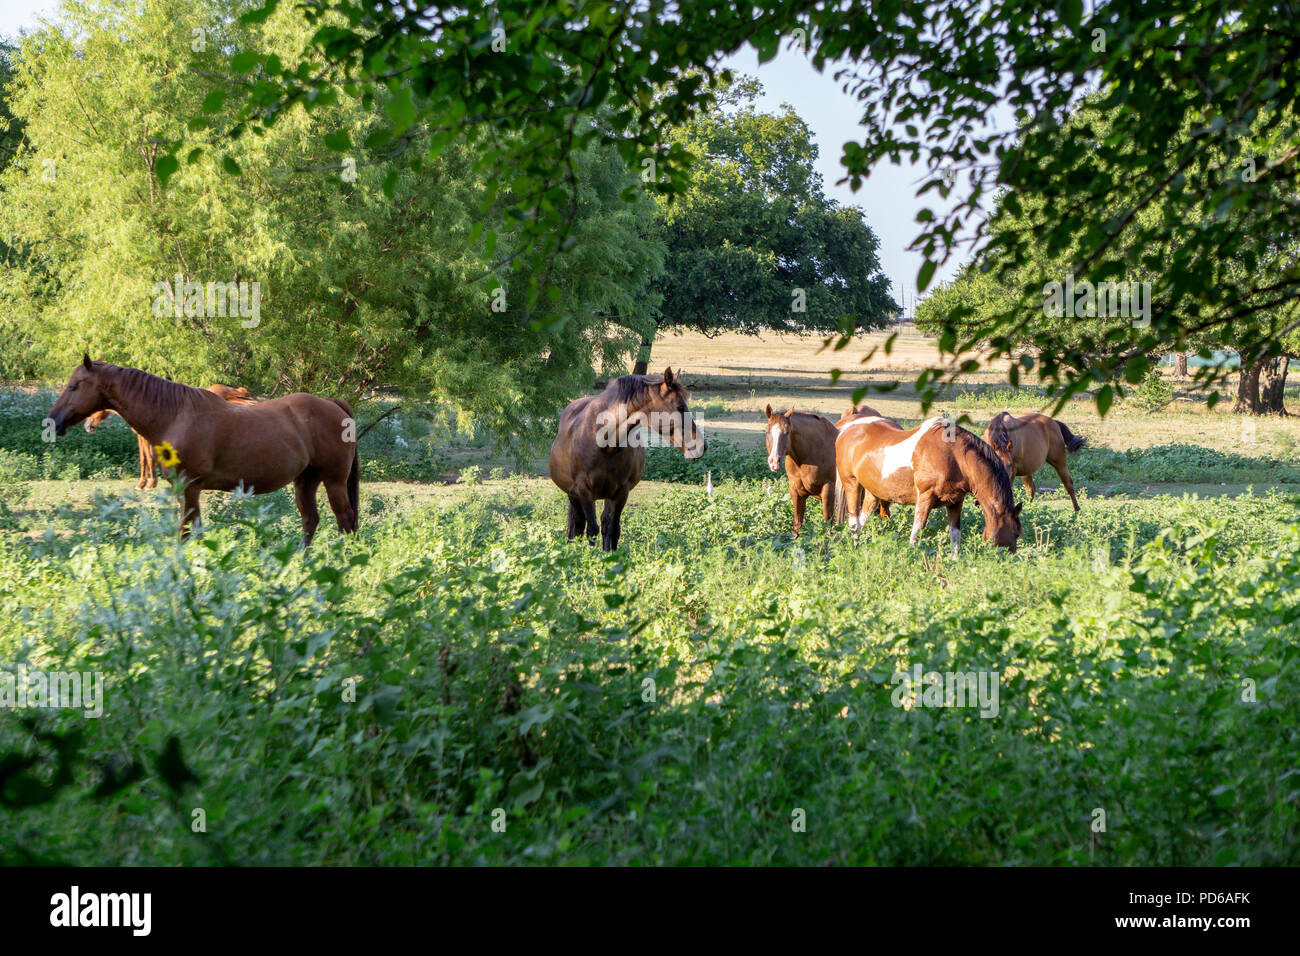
column 935, row 463
column 148, row 461
column 599, row 451
column 1024, row 443
column 300, row 438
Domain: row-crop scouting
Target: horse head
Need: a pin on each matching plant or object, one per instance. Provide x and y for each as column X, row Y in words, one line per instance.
column 668, row 415
column 82, row 398
column 1002, row 527
column 998, row 435
column 777, row 437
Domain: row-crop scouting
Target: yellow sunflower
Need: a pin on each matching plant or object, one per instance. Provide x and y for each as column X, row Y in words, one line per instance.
column 167, row 456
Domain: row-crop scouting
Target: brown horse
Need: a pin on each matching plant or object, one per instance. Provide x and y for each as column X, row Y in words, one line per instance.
column 805, row 444
column 300, row 438
column 599, row 451
column 935, row 463
column 1026, row 442
column 148, row 463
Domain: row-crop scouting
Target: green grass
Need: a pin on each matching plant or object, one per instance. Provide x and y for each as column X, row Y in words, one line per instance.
column 677, row 702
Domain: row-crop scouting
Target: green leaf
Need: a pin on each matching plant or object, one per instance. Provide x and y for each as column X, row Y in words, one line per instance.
column 164, row 167
column 244, row 62
column 926, row 273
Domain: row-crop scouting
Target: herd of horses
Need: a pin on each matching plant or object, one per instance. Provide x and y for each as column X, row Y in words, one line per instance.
column 221, row 439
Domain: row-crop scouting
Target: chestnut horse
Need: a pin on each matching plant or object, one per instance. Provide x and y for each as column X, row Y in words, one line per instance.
column 1024, row 443
column 935, row 463
column 599, row 451
column 148, row 464
column 806, row 443
column 300, row 438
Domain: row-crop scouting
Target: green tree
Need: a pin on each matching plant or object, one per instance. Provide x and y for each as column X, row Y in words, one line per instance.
column 1001, row 283
column 926, row 77
column 372, row 269
column 754, row 243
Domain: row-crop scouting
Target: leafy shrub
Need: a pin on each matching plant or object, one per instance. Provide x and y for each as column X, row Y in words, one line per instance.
column 378, row 699
column 1153, row 392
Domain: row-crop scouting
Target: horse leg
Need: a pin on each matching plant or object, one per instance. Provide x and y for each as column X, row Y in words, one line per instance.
column 341, row 505
column 828, row 502
column 190, row 509
column 924, row 501
column 577, row 521
column 852, row 503
column 591, row 525
column 139, row 469
column 305, row 487
column 954, row 527
column 614, row 517
column 1029, row 485
column 1064, row 472
column 142, row 478
column 800, row 502
column 883, row 506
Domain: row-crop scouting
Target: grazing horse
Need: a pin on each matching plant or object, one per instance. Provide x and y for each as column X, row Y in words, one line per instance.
column 300, row 438
column 148, row 464
column 1026, row 442
column 805, row 443
column 599, row 451
column 934, row 463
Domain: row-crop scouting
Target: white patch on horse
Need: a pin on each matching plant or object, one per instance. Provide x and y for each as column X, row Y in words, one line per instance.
column 773, row 460
column 899, row 456
column 859, row 421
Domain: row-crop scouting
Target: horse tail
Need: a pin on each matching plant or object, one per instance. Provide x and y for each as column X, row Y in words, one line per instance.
column 354, row 473
column 841, row 502
column 1072, row 442
column 354, row 486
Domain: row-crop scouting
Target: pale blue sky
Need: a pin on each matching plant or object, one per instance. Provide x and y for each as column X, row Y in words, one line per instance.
column 888, row 197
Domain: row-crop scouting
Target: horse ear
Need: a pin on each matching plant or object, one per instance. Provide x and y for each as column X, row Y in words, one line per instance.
column 668, row 375
column 769, row 411
column 1016, row 510
column 790, row 412
column 85, row 362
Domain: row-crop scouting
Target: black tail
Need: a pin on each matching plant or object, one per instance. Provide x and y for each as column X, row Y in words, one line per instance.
column 354, row 487
column 1072, row 442
column 354, row 473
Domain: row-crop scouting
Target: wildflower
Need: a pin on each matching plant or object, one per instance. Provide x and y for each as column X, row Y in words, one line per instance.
column 167, row 456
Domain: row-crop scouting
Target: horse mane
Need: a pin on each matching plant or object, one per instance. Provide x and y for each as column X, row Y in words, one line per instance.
column 160, row 393
column 984, row 451
column 999, row 434
column 631, row 388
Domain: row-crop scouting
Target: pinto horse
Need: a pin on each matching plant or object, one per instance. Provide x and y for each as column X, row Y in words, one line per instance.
column 148, row 463
column 1024, row 443
column 935, row 463
column 300, row 438
column 599, row 451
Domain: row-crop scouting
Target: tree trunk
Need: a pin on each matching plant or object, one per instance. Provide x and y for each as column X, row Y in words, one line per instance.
column 1180, row 364
column 1271, row 391
column 642, row 365
column 1248, row 389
